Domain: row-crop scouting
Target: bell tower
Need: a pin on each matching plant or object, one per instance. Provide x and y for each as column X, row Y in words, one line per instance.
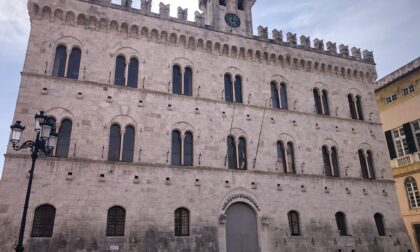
column 231, row 16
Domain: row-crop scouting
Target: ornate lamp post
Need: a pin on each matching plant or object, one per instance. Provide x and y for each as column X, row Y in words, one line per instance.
column 44, row 142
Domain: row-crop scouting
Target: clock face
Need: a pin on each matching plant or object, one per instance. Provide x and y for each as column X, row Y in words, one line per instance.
column 233, row 20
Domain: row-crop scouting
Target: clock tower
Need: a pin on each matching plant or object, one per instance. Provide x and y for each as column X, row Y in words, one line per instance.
column 231, row 16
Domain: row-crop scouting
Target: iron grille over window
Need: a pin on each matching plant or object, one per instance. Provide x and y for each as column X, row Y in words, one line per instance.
column 182, row 222
column 294, row 225
column 116, row 221
column 43, row 221
column 341, row 223
column 379, row 220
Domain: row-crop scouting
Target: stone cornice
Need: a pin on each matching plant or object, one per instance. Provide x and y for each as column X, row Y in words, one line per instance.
column 397, row 74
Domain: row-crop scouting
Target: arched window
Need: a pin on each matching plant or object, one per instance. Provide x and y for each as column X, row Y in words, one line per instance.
column 371, row 168
column 327, row 161
column 294, row 224
column 238, row 89
column 115, row 224
column 182, row 222
column 222, row 2
column 176, row 148
column 290, row 158
column 363, row 166
column 241, row 5
column 379, row 220
column 334, row 161
column 114, row 143
column 176, row 80
column 128, row 144
column 412, row 192
column 74, row 64
column 317, row 99
column 283, row 96
column 281, row 156
column 359, row 107
column 352, row 106
column 188, row 149
column 275, row 101
column 43, row 224
column 63, row 141
column 228, row 88
column 325, row 106
column 340, row 218
column 188, row 81
column 60, row 61
column 133, row 73
column 231, row 153
column 242, row 154
column 120, row 71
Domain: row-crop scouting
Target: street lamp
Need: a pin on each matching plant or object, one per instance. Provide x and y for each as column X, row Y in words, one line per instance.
column 45, row 140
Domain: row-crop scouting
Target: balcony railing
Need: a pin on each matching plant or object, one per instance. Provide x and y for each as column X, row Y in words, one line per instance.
column 406, row 160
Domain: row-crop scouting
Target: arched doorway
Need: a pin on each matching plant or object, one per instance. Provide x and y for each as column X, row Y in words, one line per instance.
column 241, row 228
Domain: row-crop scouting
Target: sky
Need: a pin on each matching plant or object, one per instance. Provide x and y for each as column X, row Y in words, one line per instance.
column 391, row 29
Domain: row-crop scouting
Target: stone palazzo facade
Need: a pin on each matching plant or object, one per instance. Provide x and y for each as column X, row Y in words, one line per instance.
column 197, row 136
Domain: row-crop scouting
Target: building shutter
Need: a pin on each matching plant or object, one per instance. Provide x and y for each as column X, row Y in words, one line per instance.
column 390, row 143
column 410, row 138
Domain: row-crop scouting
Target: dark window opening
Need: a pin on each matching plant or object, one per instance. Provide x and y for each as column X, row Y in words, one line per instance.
column 74, row 64
column 283, row 96
column 188, row 149
column 222, row 2
column 115, row 222
column 281, row 156
column 238, row 89
column 177, row 80
column 379, row 220
column 317, row 98
column 334, row 160
column 326, row 108
column 120, row 71
column 43, row 224
column 341, row 223
column 182, row 222
column 176, row 148
column 291, row 158
column 363, row 165
column 228, row 88
column 60, row 61
column 294, row 226
column 242, row 154
column 128, row 144
column 231, row 153
column 359, row 107
column 63, row 141
column 327, row 162
column 370, row 165
column 133, row 73
column 275, row 95
column 352, row 106
column 114, row 143
column 188, row 75
column 241, row 5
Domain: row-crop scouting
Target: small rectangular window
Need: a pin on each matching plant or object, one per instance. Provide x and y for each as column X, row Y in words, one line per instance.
column 408, row 90
column 391, row 98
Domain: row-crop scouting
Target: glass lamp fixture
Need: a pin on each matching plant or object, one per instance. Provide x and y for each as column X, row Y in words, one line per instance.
column 52, row 140
column 39, row 118
column 46, row 127
column 17, row 130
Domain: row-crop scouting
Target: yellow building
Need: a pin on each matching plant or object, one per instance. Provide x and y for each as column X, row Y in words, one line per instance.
column 398, row 99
